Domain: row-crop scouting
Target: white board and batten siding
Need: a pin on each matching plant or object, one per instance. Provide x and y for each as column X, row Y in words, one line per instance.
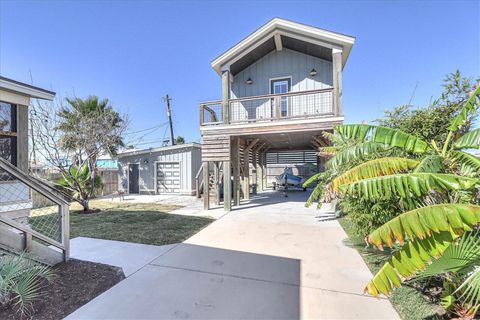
column 166, row 170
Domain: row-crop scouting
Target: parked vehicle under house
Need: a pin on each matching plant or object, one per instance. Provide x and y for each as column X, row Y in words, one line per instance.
column 281, row 88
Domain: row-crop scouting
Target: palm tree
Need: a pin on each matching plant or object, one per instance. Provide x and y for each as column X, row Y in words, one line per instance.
column 90, row 127
column 436, row 185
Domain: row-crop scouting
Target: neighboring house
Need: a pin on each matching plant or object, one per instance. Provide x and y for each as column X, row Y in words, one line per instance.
column 14, row 102
column 281, row 88
column 165, row 170
column 33, row 217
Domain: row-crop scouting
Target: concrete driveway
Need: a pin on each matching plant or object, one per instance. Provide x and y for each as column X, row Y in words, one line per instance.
column 268, row 259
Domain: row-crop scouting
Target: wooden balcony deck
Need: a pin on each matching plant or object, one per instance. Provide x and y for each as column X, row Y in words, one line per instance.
column 269, row 108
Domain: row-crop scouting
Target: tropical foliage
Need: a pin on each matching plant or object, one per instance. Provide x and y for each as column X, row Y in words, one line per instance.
column 89, row 129
column 77, row 182
column 432, row 122
column 434, row 186
column 21, row 281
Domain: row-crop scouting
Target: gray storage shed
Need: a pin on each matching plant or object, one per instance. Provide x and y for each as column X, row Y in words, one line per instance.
column 165, row 170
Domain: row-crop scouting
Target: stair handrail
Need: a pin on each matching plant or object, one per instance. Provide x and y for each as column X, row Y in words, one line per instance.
column 34, row 183
column 43, row 189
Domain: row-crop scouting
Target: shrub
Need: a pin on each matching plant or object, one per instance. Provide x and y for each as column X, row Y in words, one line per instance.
column 21, row 281
column 367, row 215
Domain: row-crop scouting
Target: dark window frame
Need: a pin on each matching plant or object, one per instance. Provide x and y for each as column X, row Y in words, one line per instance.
column 12, row 133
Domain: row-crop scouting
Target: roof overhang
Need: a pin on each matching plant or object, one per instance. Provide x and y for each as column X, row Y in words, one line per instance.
column 25, row 89
column 158, row 150
column 279, row 32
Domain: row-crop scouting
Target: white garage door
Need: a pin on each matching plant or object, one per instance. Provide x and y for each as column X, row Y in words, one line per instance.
column 168, row 177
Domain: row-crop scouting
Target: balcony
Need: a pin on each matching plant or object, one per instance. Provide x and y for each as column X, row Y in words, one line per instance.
column 269, row 108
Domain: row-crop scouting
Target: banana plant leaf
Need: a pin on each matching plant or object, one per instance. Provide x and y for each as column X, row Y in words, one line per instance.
column 421, row 223
column 408, row 261
column 313, row 179
column 407, row 185
column 470, row 140
column 469, row 108
column 375, row 168
column 431, row 163
column 354, row 152
column 383, row 135
column 469, row 163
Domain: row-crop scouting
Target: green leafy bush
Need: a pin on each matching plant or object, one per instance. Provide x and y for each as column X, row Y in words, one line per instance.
column 367, row 215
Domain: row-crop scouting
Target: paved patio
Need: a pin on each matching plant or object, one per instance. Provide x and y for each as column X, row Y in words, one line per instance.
column 267, row 259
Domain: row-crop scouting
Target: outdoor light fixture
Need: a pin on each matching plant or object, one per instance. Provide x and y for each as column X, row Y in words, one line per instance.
column 313, row 73
column 249, row 81
column 145, row 161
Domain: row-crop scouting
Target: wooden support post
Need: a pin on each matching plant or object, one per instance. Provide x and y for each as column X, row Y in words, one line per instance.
column 227, row 186
column 246, row 173
column 206, row 186
column 260, row 171
column 246, row 168
column 254, row 171
column 225, row 96
column 65, row 210
column 337, row 81
column 235, row 156
column 28, row 241
column 255, row 163
column 278, row 111
column 216, row 174
column 22, row 138
column 264, row 178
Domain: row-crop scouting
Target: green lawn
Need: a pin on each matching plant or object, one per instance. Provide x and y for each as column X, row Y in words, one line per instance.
column 142, row 223
column 408, row 302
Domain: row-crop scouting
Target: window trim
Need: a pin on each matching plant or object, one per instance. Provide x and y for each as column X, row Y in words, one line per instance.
column 13, row 133
column 287, row 79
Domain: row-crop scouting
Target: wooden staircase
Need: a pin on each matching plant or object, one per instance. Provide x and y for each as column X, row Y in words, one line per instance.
column 214, row 185
column 45, row 233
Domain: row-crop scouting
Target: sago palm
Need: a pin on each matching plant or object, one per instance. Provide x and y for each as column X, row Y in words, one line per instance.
column 436, row 185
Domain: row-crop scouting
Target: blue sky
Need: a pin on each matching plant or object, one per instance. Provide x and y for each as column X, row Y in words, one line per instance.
column 135, row 52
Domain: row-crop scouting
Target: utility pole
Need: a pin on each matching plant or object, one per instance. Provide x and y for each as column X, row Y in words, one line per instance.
column 169, row 115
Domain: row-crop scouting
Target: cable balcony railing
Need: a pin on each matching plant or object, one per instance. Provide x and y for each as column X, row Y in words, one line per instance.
column 271, row 107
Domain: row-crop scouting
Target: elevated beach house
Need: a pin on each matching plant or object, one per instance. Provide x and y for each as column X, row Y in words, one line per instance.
column 281, row 87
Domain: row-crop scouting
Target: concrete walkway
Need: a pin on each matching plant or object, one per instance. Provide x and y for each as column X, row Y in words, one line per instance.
column 129, row 256
column 267, row 259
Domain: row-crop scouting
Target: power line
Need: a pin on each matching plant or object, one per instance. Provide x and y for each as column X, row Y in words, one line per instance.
column 143, row 130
